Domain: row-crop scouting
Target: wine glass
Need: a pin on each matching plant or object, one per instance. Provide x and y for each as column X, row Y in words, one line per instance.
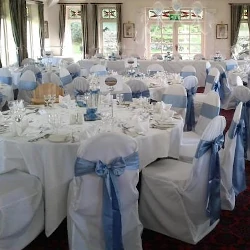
column 47, row 99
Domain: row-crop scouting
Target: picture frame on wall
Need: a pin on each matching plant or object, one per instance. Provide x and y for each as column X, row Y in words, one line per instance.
column 221, row 31
column 46, row 29
column 128, row 30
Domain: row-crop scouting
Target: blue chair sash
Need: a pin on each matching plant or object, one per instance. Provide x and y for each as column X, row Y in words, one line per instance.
column 207, row 70
column 239, row 176
column 213, row 204
column 111, row 215
column 101, row 73
column 190, row 117
column 230, row 67
column 27, row 85
column 6, row 80
column 127, row 97
column 221, row 90
column 139, row 94
column 74, row 75
column 66, row 79
column 209, row 111
column 185, row 74
column 152, row 72
column 245, row 116
column 177, row 101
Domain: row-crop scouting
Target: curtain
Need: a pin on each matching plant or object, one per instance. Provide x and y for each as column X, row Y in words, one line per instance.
column 62, row 18
column 41, row 25
column 84, row 20
column 119, row 27
column 236, row 13
column 18, row 16
column 248, row 15
column 1, row 13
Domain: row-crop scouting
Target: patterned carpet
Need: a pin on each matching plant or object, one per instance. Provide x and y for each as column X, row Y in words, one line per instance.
column 232, row 232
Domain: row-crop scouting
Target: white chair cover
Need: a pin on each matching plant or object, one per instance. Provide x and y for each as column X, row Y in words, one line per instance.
column 126, row 91
column 21, row 209
column 27, row 61
column 78, row 86
column 98, row 70
column 242, row 94
column 157, row 56
column 233, row 179
column 231, row 64
column 175, row 196
column 26, row 86
column 210, row 108
column 87, row 200
column 74, row 70
column 36, row 71
column 65, row 76
column 212, row 79
column 154, row 68
column 199, row 57
column 234, row 80
column 188, row 70
column 176, row 95
column 87, row 64
column 55, row 79
column 208, row 66
column 138, row 88
column 5, row 76
column 6, row 86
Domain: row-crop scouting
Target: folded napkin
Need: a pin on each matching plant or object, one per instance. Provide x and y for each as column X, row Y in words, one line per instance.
column 165, row 116
column 141, row 124
column 161, row 106
column 17, row 128
column 176, row 79
column 64, row 101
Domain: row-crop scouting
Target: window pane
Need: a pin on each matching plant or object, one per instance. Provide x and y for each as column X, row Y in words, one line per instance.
column 109, row 38
column 243, row 38
column 195, row 48
column 195, row 39
column 76, row 38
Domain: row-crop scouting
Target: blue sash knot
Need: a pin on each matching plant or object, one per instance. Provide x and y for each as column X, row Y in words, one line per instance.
column 245, row 116
column 111, row 215
column 213, row 206
column 190, row 117
column 6, row 79
column 75, row 74
column 239, row 176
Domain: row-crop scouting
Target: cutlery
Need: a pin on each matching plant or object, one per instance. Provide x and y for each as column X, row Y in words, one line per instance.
column 39, row 137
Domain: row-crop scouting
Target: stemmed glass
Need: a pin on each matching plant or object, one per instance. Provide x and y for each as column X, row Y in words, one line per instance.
column 55, row 121
column 47, row 99
column 53, row 100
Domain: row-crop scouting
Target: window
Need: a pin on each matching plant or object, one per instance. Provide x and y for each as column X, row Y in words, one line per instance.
column 171, row 31
column 108, row 31
column 8, row 46
column 73, row 33
column 242, row 45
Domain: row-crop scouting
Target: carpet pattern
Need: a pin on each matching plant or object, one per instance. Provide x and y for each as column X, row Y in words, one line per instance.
column 232, row 232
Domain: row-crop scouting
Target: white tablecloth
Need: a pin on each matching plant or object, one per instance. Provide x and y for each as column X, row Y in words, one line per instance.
column 53, row 163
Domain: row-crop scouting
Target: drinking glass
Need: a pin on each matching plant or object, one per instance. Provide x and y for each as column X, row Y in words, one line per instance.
column 47, row 99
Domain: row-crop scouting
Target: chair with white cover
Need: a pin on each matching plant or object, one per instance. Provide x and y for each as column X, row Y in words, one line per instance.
column 6, row 86
column 138, row 88
column 188, row 70
column 74, row 70
column 54, row 78
column 126, row 93
column 98, row 70
column 154, row 68
column 182, row 200
column 36, row 71
column 199, row 57
column 231, row 64
column 210, row 108
column 65, row 76
column 103, row 198
column 242, row 94
column 28, row 61
column 77, row 87
column 233, row 179
column 176, row 95
column 26, row 86
column 21, row 209
column 157, row 56
column 234, row 80
column 87, row 64
column 208, row 66
column 190, row 83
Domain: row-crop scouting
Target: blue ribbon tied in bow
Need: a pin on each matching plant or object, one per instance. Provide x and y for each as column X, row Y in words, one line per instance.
column 213, row 206
column 245, row 116
column 111, row 215
column 190, row 117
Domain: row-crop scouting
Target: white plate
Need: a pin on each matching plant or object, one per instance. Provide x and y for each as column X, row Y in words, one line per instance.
column 59, row 138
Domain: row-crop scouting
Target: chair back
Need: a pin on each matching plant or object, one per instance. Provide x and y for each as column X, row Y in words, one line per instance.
column 27, row 61
column 233, row 179
column 54, row 78
column 204, row 181
column 210, row 108
column 177, row 96
column 98, row 70
column 87, row 64
column 65, row 76
column 74, row 70
column 138, row 88
column 231, row 64
column 106, row 175
column 208, row 66
column 46, row 89
column 234, row 80
column 36, row 71
column 199, row 57
column 5, row 76
column 157, row 56
column 190, row 83
column 77, row 86
column 27, row 81
column 154, row 68
column 188, row 70
column 212, row 80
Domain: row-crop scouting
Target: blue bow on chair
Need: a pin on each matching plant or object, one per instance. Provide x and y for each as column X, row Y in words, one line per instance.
column 111, row 215
column 245, row 116
column 6, row 79
column 190, row 117
column 213, row 206
column 139, row 94
column 75, row 74
column 239, row 176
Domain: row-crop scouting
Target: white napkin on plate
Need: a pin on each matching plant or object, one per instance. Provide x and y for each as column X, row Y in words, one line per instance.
column 17, row 128
column 64, row 101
